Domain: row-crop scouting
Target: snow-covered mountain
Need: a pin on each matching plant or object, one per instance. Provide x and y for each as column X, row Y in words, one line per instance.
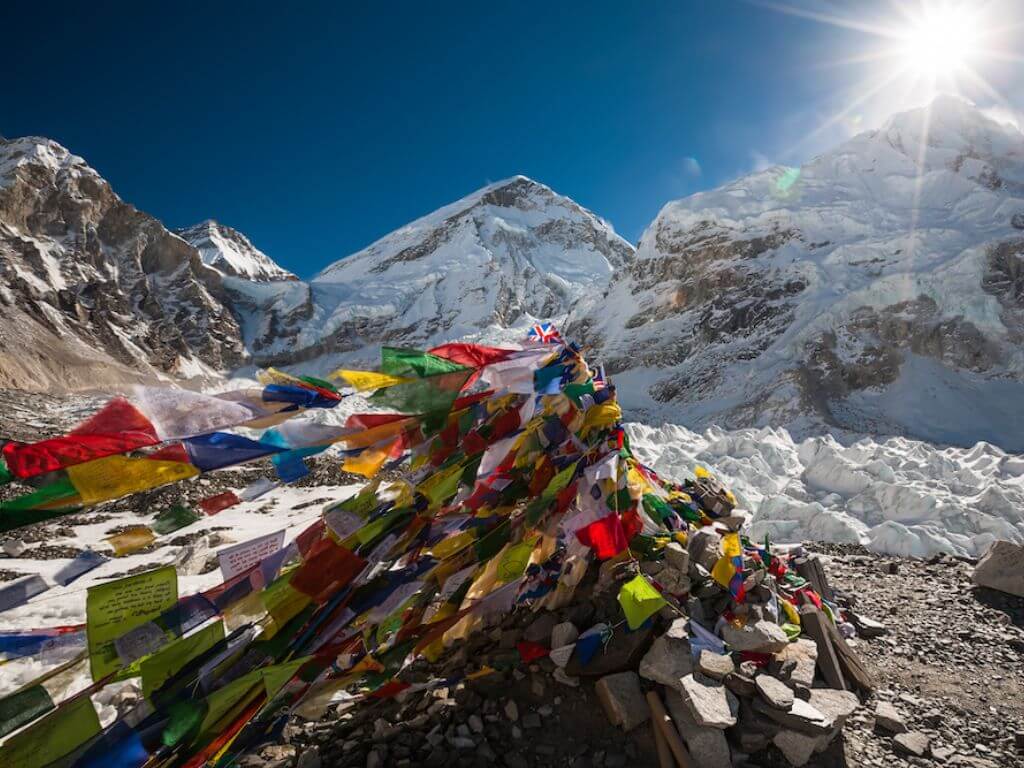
column 231, row 253
column 879, row 288
column 93, row 291
column 506, row 255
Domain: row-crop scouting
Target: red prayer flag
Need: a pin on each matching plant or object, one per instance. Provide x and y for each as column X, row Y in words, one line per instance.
column 531, row 651
column 117, row 428
column 214, row 504
column 472, row 355
column 605, row 536
column 328, row 566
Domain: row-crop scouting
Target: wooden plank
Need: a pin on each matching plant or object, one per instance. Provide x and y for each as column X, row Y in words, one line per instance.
column 668, row 729
column 853, row 668
column 811, row 569
column 814, row 622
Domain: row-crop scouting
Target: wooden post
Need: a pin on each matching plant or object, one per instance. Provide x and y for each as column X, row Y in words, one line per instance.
column 813, row 622
column 668, row 730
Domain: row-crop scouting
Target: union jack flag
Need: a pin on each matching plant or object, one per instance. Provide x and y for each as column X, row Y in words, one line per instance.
column 544, row 333
column 599, row 380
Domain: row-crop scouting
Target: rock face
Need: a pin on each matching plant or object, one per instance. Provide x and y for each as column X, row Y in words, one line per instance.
column 1002, row 568
column 93, row 291
column 834, row 293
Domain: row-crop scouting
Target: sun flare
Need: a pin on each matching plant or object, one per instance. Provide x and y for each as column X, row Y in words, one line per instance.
column 940, row 42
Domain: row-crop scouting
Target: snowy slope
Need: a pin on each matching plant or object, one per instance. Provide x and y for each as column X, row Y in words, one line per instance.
column 231, row 253
column 878, row 288
column 501, row 258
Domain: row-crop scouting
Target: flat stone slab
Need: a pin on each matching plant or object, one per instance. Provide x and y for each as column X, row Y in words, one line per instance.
column 711, row 703
column 623, row 700
column 1002, row 568
column 773, row 692
column 760, row 637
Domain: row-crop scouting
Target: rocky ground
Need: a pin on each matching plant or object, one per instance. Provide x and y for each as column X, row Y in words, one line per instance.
column 950, row 672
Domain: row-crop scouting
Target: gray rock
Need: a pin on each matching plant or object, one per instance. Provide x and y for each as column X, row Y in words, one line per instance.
column 512, row 710
column 704, row 547
column 741, row 683
column 540, row 628
column 1002, row 568
column 669, row 660
column 708, row 746
column 309, row 758
column 531, row 720
column 564, row 634
column 623, row 700
column 797, row 747
column 677, row 556
column 476, row 725
column 773, row 692
column 888, row 718
column 804, row 655
column 759, row 637
column 709, row 701
column 836, row 705
column 715, row 665
column 913, row 743
column 801, row 717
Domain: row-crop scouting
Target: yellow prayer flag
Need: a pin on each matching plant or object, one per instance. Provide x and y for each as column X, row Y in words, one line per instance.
column 115, row 476
column 364, row 381
column 132, row 540
column 367, row 463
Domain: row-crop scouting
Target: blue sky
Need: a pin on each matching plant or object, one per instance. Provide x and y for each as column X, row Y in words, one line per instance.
column 317, row 131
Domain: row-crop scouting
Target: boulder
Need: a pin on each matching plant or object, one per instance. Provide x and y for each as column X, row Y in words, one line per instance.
column 704, row 547
column 803, row 653
column 707, row 746
column 717, row 666
column 773, row 692
column 801, row 717
column 759, row 637
column 710, row 703
column 888, row 718
column 1002, row 568
column 669, row 660
column 677, row 556
column 797, row 747
column 623, row 700
column 913, row 743
column 564, row 634
column 836, row 705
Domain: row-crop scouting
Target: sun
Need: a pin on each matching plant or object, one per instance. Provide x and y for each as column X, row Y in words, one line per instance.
column 940, row 42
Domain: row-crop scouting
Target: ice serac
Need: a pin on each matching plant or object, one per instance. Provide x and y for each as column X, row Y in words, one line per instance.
column 231, row 253
column 879, row 288
column 506, row 255
column 92, row 291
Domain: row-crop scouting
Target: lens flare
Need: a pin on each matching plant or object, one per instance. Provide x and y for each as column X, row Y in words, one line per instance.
column 941, row 42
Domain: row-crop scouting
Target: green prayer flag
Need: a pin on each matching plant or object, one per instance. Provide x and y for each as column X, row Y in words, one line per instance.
column 639, row 601
column 159, row 667
column 58, row 734
column 656, row 507
column 5, row 473
column 114, row 608
column 398, row 361
column 184, row 717
column 513, row 563
column 319, row 383
column 172, row 519
column 23, row 707
column 429, row 395
column 491, row 543
column 442, row 485
column 223, row 700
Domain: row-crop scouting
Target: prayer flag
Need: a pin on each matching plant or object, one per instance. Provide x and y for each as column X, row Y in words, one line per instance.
column 639, row 601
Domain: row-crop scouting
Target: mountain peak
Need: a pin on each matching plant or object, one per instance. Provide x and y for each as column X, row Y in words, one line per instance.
column 231, row 253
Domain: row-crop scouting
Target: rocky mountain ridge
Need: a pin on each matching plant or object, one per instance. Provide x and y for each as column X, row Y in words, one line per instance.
column 878, row 288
